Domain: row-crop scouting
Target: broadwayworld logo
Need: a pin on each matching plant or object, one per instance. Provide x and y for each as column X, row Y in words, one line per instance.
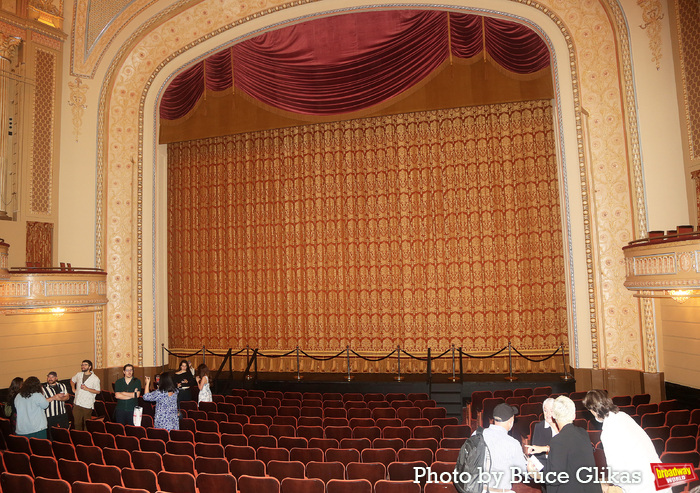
column 667, row 475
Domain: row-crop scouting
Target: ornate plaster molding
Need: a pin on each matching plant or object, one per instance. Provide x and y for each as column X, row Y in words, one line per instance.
column 77, row 102
column 28, row 291
column 652, row 14
column 654, row 269
column 131, row 79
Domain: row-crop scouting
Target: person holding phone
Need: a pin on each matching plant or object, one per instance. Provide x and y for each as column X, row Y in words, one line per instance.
column 165, row 398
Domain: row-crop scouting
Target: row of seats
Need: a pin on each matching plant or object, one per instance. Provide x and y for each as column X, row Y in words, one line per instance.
column 213, row 461
column 217, row 483
column 539, row 394
column 90, row 450
column 274, row 432
column 249, row 414
column 484, row 408
column 338, row 403
column 353, row 423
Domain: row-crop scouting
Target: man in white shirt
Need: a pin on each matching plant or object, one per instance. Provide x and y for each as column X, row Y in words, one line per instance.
column 506, row 452
column 86, row 386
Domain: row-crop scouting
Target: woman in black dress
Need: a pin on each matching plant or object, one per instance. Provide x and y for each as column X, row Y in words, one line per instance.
column 184, row 380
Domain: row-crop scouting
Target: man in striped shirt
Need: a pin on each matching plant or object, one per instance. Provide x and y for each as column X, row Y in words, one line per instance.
column 56, row 414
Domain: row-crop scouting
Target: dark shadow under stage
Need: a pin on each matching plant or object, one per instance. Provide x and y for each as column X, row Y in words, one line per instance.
column 451, row 395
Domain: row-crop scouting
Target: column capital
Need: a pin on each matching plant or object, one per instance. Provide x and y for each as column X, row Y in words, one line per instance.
column 8, row 45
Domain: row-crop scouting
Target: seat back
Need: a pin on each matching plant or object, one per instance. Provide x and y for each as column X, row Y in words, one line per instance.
column 73, row 470
column 176, row 482
column 371, row 471
column 216, row 483
column 140, row 478
column 348, row 486
column 246, row 467
column 49, row 485
column 257, row 484
column 110, row 475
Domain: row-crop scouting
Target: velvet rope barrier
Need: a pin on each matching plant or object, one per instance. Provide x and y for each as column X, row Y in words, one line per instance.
column 347, row 351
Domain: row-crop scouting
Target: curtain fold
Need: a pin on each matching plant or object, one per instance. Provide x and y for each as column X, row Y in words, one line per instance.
column 423, row 229
column 349, row 62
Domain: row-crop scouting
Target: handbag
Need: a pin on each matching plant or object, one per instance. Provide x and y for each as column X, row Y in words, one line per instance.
column 138, row 415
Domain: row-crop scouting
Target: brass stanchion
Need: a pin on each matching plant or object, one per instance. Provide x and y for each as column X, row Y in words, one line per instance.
column 454, row 378
column 347, row 353
column 398, row 377
column 510, row 377
column 247, row 360
column 298, row 373
column 566, row 376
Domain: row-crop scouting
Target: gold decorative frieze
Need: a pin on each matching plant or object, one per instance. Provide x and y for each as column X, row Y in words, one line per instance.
column 14, row 289
column 657, row 269
column 66, row 288
column 653, row 265
column 26, row 290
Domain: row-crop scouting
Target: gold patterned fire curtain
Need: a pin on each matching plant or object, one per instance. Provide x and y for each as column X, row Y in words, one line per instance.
column 421, row 230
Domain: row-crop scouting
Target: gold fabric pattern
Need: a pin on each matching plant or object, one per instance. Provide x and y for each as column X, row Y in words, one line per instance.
column 422, row 229
column 39, row 244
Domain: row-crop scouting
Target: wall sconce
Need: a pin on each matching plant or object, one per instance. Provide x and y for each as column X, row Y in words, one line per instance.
column 681, row 295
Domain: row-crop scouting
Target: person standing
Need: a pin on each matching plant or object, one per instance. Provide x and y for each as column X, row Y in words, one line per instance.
column 505, row 451
column 86, row 385
column 628, row 449
column 166, row 401
column 56, row 414
column 544, row 431
column 203, row 383
column 15, row 385
column 184, row 380
column 126, row 391
column 570, row 452
column 31, row 404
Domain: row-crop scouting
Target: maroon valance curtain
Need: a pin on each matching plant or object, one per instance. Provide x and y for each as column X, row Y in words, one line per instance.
column 350, row 62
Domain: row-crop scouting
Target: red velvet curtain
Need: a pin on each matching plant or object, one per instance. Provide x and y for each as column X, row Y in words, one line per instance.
column 349, row 62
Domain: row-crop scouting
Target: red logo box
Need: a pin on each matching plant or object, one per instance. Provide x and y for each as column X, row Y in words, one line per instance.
column 667, row 475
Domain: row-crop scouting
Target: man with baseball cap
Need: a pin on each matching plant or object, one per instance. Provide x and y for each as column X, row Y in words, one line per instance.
column 506, row 452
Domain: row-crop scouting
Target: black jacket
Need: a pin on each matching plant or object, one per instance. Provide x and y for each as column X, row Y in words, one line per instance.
column 571, row 452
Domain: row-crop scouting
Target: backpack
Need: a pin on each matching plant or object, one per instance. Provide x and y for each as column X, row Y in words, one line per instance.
column 473, row 458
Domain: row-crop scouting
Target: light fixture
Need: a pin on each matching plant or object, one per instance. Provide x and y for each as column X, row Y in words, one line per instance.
column 681, row 295
column 57, row 311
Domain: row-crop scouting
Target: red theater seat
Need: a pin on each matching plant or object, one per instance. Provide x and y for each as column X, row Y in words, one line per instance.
column 325, row 471
column 254, row 484
column 348, row 486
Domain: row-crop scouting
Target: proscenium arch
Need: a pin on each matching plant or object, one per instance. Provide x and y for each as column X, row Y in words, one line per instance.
column 574, row 180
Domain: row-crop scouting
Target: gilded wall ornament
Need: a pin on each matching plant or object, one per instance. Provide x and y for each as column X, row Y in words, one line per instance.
column 652, row 15
column 7, row 45
column 77, row 103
